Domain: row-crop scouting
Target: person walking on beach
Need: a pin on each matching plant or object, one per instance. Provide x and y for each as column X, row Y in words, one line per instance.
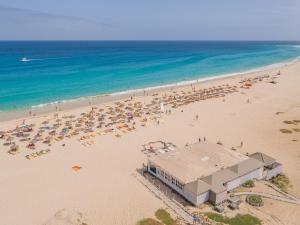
column 204, row 139
column 242, row 143
column 199, row 139
column 197, row 117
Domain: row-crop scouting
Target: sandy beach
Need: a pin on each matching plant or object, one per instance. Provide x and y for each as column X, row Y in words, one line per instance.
column 84, row 158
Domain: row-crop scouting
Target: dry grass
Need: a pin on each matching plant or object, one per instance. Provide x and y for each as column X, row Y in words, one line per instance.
column 165, row 217
column 286, row 131
column 282, row 182
column 148, row 221
column 294, row 122
column 237, row 220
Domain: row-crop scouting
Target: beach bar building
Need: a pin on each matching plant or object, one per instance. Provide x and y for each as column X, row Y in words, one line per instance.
column 207, row 172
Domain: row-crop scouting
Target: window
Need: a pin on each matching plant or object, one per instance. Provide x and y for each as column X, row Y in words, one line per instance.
column 167, row 176
column 179, row 185
column 153, row 169
column 173, row 180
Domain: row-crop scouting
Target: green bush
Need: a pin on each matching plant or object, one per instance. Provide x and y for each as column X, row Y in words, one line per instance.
column 248, row 184
column 282, row 182
column 237, row 220
column 165, row 217
column 148, row 221
column 254, row 200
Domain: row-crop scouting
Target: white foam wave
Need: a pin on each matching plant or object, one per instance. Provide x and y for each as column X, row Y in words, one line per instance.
column 41, row 59
column 182, row 83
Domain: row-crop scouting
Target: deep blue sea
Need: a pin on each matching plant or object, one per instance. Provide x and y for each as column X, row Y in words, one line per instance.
column 62, row 70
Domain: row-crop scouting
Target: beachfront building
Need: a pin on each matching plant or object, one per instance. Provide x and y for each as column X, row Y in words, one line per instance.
column 207, row 172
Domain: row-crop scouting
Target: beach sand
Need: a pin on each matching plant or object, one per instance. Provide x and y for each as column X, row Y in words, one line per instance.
column 104, row 189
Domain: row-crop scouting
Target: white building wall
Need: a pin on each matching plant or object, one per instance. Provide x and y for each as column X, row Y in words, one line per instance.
column 256, row 174
column 173, row 186
column 202, row 198
column 274, row 172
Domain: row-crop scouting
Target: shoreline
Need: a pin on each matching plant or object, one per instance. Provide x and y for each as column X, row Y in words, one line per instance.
column 76, row 103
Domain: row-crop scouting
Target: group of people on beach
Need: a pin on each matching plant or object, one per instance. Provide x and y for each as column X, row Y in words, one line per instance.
column 117, row 118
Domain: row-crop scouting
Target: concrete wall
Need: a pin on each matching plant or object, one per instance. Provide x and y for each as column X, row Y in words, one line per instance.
column 274, row 172
column 256, row 174
column 221, row 197
column 217, row 198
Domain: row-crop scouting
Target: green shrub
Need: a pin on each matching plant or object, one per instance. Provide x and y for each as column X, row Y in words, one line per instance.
column 165, row 217
column 282, row 182
column 248, row 184
column 296, row 129
column 148, row 221
column 237, row 220
column 254, row 200
column 289, row 122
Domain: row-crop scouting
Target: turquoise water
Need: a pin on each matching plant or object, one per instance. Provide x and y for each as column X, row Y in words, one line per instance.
column 61, row 70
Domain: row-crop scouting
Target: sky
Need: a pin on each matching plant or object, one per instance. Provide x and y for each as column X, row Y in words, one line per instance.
column 150, row 20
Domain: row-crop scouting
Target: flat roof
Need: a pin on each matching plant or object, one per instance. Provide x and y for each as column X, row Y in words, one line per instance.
column 196, row 161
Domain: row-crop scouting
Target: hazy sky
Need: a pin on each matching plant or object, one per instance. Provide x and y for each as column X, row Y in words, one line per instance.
column 150, row 19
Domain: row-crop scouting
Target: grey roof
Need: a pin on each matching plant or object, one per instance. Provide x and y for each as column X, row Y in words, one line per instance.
column 196, row 187
column 267, row 160
column 246, row 166
column 217, row 180
column 221, row 176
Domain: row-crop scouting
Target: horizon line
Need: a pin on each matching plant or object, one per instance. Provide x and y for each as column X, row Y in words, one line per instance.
column 141, row 40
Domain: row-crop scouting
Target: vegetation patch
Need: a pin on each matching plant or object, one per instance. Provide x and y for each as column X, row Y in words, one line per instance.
column 237, row 220
column 148, row 221
column 248, row 184
column 296, row 129
column 254, row 200
column 286, row 131
column 282, row 182
column 278, row 113
column 296, row 121
column 289, row 122
column 165, row 217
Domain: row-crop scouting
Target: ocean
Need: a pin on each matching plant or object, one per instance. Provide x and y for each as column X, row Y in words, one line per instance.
column 33, row 73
